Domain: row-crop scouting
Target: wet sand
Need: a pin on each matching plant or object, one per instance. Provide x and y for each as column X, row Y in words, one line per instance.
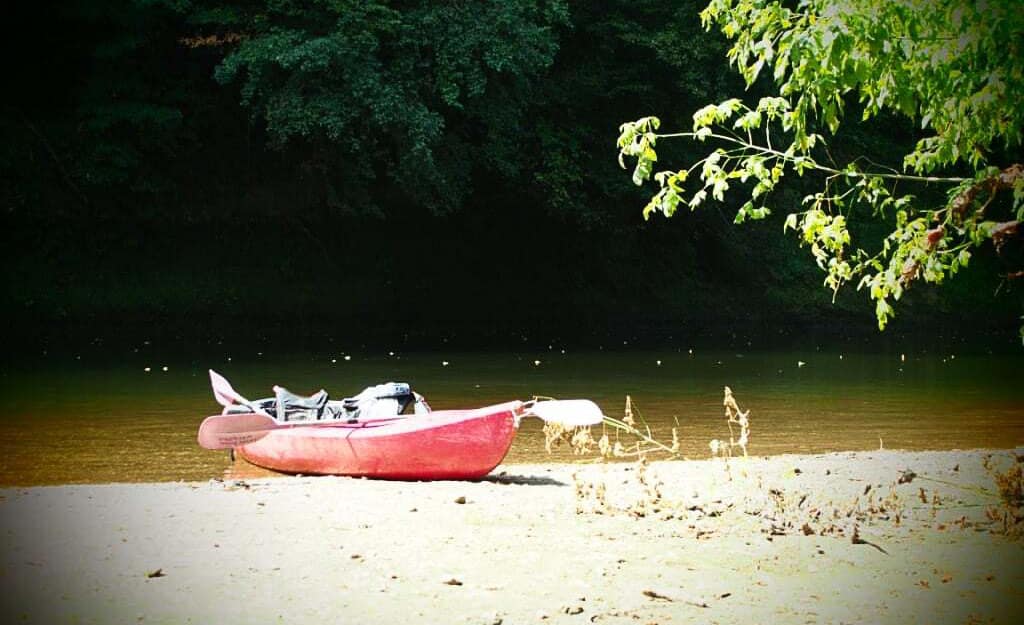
column 835, row 538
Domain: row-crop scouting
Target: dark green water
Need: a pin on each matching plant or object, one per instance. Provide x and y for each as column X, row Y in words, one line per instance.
column 82, row 422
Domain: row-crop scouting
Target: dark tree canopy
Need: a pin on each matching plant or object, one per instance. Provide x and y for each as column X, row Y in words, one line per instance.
column 405, row 98
column 148, row 142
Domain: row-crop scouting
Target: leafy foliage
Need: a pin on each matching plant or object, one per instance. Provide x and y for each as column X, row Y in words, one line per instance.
column 954, row 67
column 138, row 131
column 422, row 91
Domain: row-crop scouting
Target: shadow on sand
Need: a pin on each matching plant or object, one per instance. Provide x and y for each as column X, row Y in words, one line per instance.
column 527, row 480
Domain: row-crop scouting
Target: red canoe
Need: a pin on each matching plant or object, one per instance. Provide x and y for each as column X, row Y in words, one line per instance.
column 440, row 445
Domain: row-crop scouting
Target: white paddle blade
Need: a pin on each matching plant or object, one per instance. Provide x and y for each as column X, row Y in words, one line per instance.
column 222, row 391
column 568, row 412
column 227, row 396
column 225, row 431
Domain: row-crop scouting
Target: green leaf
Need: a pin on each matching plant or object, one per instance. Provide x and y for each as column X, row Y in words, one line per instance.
column 940, row 63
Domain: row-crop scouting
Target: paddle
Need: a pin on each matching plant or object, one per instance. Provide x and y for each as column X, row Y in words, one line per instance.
column 227, row 396
column 568, row 412
column 225, row 431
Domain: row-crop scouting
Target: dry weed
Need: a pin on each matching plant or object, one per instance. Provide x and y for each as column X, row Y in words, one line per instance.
column 1009, row 481
column 649, row 499
column 802, row 514
column 578, row 438
column 733, row 415
column 645, row 494
column 866, row 515
column 582, row 440
column 644, row 445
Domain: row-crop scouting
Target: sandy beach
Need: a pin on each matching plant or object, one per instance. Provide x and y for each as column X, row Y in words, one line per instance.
column 866, row 537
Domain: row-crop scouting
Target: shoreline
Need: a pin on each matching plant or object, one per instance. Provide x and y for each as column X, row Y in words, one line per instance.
column 240, row 469
column 846, row 536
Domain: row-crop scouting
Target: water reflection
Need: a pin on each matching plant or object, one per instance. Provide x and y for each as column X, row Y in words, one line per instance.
column 86, row 423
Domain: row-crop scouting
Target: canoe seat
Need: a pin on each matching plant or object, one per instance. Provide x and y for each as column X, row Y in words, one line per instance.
column 374, row 402
column 292, row 407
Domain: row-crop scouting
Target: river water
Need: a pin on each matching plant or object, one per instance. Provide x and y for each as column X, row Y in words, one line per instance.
column 92, row 422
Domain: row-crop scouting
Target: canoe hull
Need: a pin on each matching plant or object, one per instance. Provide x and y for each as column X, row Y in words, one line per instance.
column 441, row 445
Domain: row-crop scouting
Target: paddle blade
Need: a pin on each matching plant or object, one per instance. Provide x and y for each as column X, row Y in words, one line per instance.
column 222, row 391
column 227, row 396
column 225, row 431
column 568, row 412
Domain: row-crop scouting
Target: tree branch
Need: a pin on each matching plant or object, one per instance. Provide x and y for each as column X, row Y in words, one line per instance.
column 1002, row 181
column 811, row 163
column 1004, row 231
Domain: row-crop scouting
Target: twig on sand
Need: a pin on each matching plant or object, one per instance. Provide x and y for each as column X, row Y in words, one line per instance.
column 857, row 540
column 657, row 595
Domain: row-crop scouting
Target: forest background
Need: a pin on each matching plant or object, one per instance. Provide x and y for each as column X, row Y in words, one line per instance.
column 409, row 173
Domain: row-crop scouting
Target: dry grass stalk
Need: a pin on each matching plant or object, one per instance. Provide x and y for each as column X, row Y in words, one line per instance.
column 554, row 435
column 645, row 442
column 580, row 439
column 733, row 415
column 628, row 412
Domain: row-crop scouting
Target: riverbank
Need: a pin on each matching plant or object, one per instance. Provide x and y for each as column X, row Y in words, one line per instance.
column 866, row 537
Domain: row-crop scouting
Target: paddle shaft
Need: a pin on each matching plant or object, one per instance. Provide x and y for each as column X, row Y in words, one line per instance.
column 225, row 431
